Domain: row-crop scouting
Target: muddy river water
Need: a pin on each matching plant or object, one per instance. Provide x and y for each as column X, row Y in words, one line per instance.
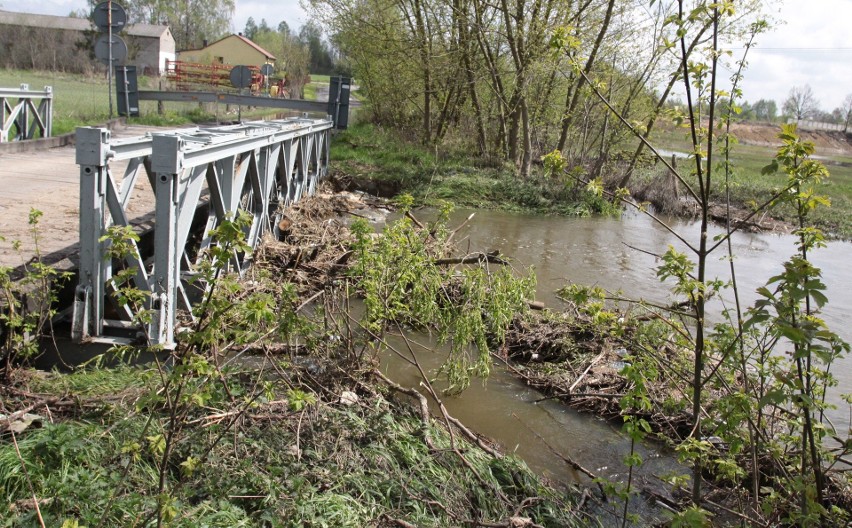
column 616, row 254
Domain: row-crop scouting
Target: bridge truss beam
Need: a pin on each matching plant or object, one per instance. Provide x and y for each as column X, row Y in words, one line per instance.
column 258, row 167
column 25, row 114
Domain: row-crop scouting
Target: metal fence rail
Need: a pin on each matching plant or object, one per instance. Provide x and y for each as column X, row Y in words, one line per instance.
column 21, row 118
column 339, row 110
column 259, row 167
column 299, row 105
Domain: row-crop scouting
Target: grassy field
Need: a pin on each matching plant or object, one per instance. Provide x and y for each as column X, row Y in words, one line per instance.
column 317, row 78
column 78, row 100
column 81, row 100
column 750, row 186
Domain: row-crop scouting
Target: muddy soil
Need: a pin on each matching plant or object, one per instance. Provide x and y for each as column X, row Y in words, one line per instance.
column 766, row 135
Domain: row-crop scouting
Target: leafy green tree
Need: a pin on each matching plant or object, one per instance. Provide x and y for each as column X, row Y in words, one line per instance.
column 263, row 27
column 311, row 35
column 765, row 110
column 250, row 31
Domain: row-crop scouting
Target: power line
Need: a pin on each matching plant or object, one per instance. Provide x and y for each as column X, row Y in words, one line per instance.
column 759, row 48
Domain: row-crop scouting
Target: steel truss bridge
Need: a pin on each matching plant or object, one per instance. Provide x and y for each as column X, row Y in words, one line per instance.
column 197, row 177
column 25, row 114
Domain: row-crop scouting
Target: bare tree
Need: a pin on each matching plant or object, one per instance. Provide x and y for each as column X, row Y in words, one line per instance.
column 846, row 112
column 801, row 103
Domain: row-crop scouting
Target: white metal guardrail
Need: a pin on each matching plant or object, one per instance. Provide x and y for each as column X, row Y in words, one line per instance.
column 25, row 114
column 259, row 167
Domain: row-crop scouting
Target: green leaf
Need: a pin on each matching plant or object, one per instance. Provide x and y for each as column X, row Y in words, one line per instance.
column 774, row 397
column 772, row 168
column 157, row 444
column 792, row 333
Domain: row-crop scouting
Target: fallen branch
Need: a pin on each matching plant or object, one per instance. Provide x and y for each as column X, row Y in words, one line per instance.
column 424, row 404
column 738, row 223
column 576, row 382
column 474, row 258
column 415, row 220
column 474, row 437
column 571, row 395
column 535, row 305
column 456, row 230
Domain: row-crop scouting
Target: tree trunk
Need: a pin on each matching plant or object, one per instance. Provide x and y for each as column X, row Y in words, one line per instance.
column 461, row 14
column 514, row 127
column 423, row 45
column 571, row 105
column 526, row 161
column 501, row 138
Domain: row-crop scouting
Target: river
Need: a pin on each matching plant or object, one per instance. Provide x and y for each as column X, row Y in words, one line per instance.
column 616, row 254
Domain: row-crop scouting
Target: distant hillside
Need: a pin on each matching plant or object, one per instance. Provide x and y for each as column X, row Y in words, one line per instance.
column 827, row 142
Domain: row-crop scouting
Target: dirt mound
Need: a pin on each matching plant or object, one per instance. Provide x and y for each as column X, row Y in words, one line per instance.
column 766, row 135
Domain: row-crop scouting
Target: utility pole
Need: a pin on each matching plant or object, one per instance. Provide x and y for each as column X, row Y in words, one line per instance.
column 109, row 65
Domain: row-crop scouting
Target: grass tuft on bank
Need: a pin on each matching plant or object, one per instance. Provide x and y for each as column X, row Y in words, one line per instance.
column 379, row 160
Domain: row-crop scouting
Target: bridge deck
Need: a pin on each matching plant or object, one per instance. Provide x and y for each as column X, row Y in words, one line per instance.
column 49, row 180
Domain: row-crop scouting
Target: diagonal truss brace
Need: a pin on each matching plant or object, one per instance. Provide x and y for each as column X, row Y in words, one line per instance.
column 259, row 167
column 25, row 114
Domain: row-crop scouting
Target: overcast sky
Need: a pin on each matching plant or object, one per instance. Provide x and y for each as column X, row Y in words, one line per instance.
column 812, row 46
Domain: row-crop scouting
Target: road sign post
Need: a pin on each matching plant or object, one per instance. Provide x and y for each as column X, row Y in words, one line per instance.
column 110, row 17
column 266, row 70
column 240, row 79
column 127, row 91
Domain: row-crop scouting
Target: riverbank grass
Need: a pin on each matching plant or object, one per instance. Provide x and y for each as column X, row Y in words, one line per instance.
column 381, row 161
column 93, row 455
column 750, row 187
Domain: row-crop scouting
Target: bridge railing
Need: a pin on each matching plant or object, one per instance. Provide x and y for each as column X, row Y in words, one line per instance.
column 259, row 167
column 25, row 114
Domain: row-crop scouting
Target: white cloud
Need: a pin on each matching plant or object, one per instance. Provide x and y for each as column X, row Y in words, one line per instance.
column 812, row 46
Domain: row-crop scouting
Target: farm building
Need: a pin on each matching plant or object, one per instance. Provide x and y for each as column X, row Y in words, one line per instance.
column 30, row 41
column 233, row 50
column 154, row 47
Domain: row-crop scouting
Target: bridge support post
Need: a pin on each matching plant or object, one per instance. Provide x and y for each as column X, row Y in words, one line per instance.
column 22, row 119
column 92, row 155
column 166, row 275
